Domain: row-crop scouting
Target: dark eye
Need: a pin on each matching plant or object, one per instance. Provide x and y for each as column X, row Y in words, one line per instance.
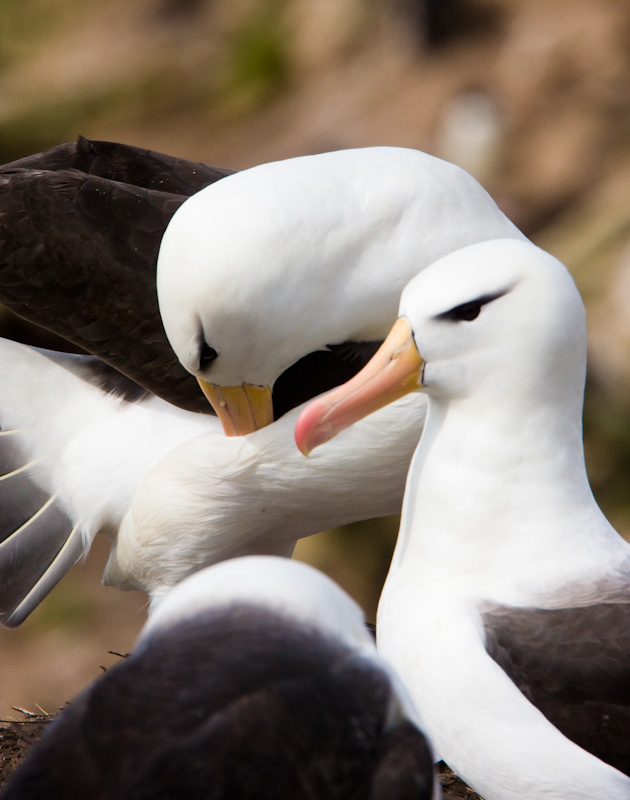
column 207, row 355
column 464, row 313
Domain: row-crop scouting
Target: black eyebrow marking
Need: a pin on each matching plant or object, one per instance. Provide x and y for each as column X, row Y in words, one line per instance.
column 466, row 312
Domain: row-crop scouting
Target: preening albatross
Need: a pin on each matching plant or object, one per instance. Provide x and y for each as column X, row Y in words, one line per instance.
column 291, row 276
column 290, row 273
column 503, row 555
column 254, row 678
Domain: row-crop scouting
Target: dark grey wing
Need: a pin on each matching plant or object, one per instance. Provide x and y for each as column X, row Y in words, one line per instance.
column 78, row 256
column 574, row 665
column 38, row 541
column 124, row 163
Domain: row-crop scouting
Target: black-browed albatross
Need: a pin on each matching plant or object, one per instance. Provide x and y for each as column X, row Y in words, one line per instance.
column 252, row 678
column 270, row 270
column 506, row 610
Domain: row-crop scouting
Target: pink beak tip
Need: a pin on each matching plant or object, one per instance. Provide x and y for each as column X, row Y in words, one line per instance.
column 309, row 433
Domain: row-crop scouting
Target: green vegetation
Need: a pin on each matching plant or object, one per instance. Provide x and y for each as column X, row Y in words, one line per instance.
column 257, row 64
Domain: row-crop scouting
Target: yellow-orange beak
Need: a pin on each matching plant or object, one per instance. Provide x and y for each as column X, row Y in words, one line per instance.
column 393, row 371
column 241, row 409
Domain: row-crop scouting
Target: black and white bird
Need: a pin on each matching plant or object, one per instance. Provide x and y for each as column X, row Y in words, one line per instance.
column 284, row 278
column 253, row 678
column 506, row 609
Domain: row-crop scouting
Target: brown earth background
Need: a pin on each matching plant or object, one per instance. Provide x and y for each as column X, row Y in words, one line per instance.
column 531, row 96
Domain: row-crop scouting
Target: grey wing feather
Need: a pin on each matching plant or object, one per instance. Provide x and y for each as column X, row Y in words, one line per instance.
column 38, row 541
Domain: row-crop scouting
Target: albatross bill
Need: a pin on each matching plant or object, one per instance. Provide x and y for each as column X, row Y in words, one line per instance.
column 241, row 409
column 394, row 371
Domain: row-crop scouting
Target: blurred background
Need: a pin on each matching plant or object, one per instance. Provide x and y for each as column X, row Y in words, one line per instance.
column 531, row 96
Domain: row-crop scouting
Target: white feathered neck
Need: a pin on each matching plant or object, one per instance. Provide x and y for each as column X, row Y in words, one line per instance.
column 497, row 492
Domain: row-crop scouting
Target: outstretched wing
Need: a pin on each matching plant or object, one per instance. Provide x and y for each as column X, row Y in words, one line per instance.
column 39, row 542
column 76, row 439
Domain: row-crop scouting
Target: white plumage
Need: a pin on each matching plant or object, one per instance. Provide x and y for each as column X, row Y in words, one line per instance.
column 507, row 606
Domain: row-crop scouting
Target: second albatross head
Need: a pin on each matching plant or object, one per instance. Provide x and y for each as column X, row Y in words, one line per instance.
column 497, row 324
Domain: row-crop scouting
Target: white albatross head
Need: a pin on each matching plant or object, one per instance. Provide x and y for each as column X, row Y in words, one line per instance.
column 276, row 262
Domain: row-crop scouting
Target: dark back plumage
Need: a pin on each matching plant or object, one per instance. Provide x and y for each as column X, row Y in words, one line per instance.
column 235, row 703
column 573, row 665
